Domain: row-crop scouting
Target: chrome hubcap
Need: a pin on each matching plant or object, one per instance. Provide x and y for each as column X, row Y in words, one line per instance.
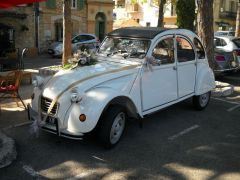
column 117, row 127
column 204, row 99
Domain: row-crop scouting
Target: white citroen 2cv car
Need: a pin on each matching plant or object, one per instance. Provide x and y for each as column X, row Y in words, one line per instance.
column 138, row 71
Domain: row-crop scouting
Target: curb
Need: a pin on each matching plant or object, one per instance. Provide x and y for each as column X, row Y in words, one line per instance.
column 8, row 151
column 222, row 89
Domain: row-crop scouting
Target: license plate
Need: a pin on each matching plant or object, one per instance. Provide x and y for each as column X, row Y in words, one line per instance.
column 50, row 120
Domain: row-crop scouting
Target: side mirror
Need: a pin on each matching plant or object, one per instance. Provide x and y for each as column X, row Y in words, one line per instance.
column 152, row 60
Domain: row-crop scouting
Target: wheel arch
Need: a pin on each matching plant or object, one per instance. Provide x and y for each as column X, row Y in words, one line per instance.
column 126, row 103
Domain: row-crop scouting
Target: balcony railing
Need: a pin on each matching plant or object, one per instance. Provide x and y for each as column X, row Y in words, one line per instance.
column 228, row 15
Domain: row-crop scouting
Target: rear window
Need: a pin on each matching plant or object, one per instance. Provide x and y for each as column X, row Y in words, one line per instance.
column 237, row 42
column 232, row 33
column 219, row 42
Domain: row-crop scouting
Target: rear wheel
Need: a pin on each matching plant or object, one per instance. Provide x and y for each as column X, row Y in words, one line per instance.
column 200, row 102
column 112, row 126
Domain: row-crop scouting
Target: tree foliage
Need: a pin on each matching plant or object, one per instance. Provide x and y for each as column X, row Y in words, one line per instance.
column 185, row 10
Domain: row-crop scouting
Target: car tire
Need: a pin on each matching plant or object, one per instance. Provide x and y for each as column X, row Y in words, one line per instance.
column 200, row 102
column 112, row 126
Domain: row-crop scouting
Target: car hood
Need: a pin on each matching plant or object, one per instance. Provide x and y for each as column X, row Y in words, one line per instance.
column 86, row 77
column 55, row 44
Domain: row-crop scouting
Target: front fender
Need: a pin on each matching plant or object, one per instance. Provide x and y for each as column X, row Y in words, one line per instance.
column 92, row 105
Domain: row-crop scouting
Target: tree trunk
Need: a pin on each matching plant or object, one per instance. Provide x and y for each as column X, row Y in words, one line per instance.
column 237, row 33
column 205, row 29
column 161, row 13
column 67, row 32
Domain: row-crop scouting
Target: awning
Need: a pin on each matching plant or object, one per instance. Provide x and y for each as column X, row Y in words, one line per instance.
column 12, row 3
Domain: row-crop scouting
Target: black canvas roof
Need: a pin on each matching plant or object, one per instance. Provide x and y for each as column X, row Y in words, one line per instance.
column 137, row 32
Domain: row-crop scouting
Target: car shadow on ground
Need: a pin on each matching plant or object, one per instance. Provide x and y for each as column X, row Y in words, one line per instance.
column 209, row 152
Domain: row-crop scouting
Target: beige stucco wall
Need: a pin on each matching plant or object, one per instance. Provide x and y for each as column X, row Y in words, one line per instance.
column 23, row 38
column 48, row 18
column 93, row 7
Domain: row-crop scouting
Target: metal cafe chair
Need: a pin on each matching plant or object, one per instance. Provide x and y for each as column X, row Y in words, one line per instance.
column 9, row 86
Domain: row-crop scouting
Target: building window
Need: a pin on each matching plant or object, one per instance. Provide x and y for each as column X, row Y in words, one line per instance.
column 74, row 4
column 232, row 6
column 222, row 5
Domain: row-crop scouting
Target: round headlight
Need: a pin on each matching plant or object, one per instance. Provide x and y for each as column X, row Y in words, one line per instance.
column 76, row 96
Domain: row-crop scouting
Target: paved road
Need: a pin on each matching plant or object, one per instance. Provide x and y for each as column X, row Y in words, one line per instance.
column 175, row 143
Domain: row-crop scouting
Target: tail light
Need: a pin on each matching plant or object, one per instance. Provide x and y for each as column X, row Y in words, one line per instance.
column 97, row 39
column 237, row 52
column 219, row 58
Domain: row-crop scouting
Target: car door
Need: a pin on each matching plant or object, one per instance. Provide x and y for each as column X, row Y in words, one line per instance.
column 186, row 66
column 159, row 83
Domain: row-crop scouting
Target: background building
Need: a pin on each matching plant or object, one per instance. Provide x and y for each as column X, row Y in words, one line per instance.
column 145, row 12
column 225, row 12
column 37, row 25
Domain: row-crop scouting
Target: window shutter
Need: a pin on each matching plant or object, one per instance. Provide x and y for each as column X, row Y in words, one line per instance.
column 51, row 4
column 81, row 4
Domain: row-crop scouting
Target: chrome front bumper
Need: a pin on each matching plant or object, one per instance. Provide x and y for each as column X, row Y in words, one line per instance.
column 52, row 125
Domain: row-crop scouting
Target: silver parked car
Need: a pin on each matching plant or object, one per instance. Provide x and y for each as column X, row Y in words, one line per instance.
column 227, row 53
column 225, row 33
column 79, row 41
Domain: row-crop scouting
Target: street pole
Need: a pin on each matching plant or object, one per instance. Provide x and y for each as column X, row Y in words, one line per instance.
column 237, row 33
column 36, row 19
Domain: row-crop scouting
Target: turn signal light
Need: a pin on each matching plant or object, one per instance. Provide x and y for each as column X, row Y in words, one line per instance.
column 82, row 117
column 219, row 58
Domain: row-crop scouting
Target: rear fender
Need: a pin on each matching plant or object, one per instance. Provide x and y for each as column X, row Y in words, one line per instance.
column 205, row 80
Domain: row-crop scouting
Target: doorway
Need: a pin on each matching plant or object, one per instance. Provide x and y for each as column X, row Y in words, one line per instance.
column 6, row 38
column 100, row 20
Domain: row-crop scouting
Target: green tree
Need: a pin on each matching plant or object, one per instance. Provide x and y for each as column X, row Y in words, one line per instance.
column 185, row 10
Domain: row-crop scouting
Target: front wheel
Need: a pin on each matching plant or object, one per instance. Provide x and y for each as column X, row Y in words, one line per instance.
column 112, row 126
column 200, row 102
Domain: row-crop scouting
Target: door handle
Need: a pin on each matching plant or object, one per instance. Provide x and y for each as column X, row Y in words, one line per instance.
column 175, row 68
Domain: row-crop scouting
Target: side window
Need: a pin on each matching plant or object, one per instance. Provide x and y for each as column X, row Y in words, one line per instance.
column 184, row 50
column 223, row 42
column 79, row 38
column 199, row 49
column 164, row 51
column 88, row 37
column 219, row 42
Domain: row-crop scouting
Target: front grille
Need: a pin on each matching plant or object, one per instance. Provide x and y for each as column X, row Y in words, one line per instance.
column 45, row 104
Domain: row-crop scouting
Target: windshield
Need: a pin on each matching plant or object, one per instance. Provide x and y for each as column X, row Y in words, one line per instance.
column 124, row 47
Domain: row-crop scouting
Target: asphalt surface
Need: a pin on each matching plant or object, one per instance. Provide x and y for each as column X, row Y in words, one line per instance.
column 175, row 143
